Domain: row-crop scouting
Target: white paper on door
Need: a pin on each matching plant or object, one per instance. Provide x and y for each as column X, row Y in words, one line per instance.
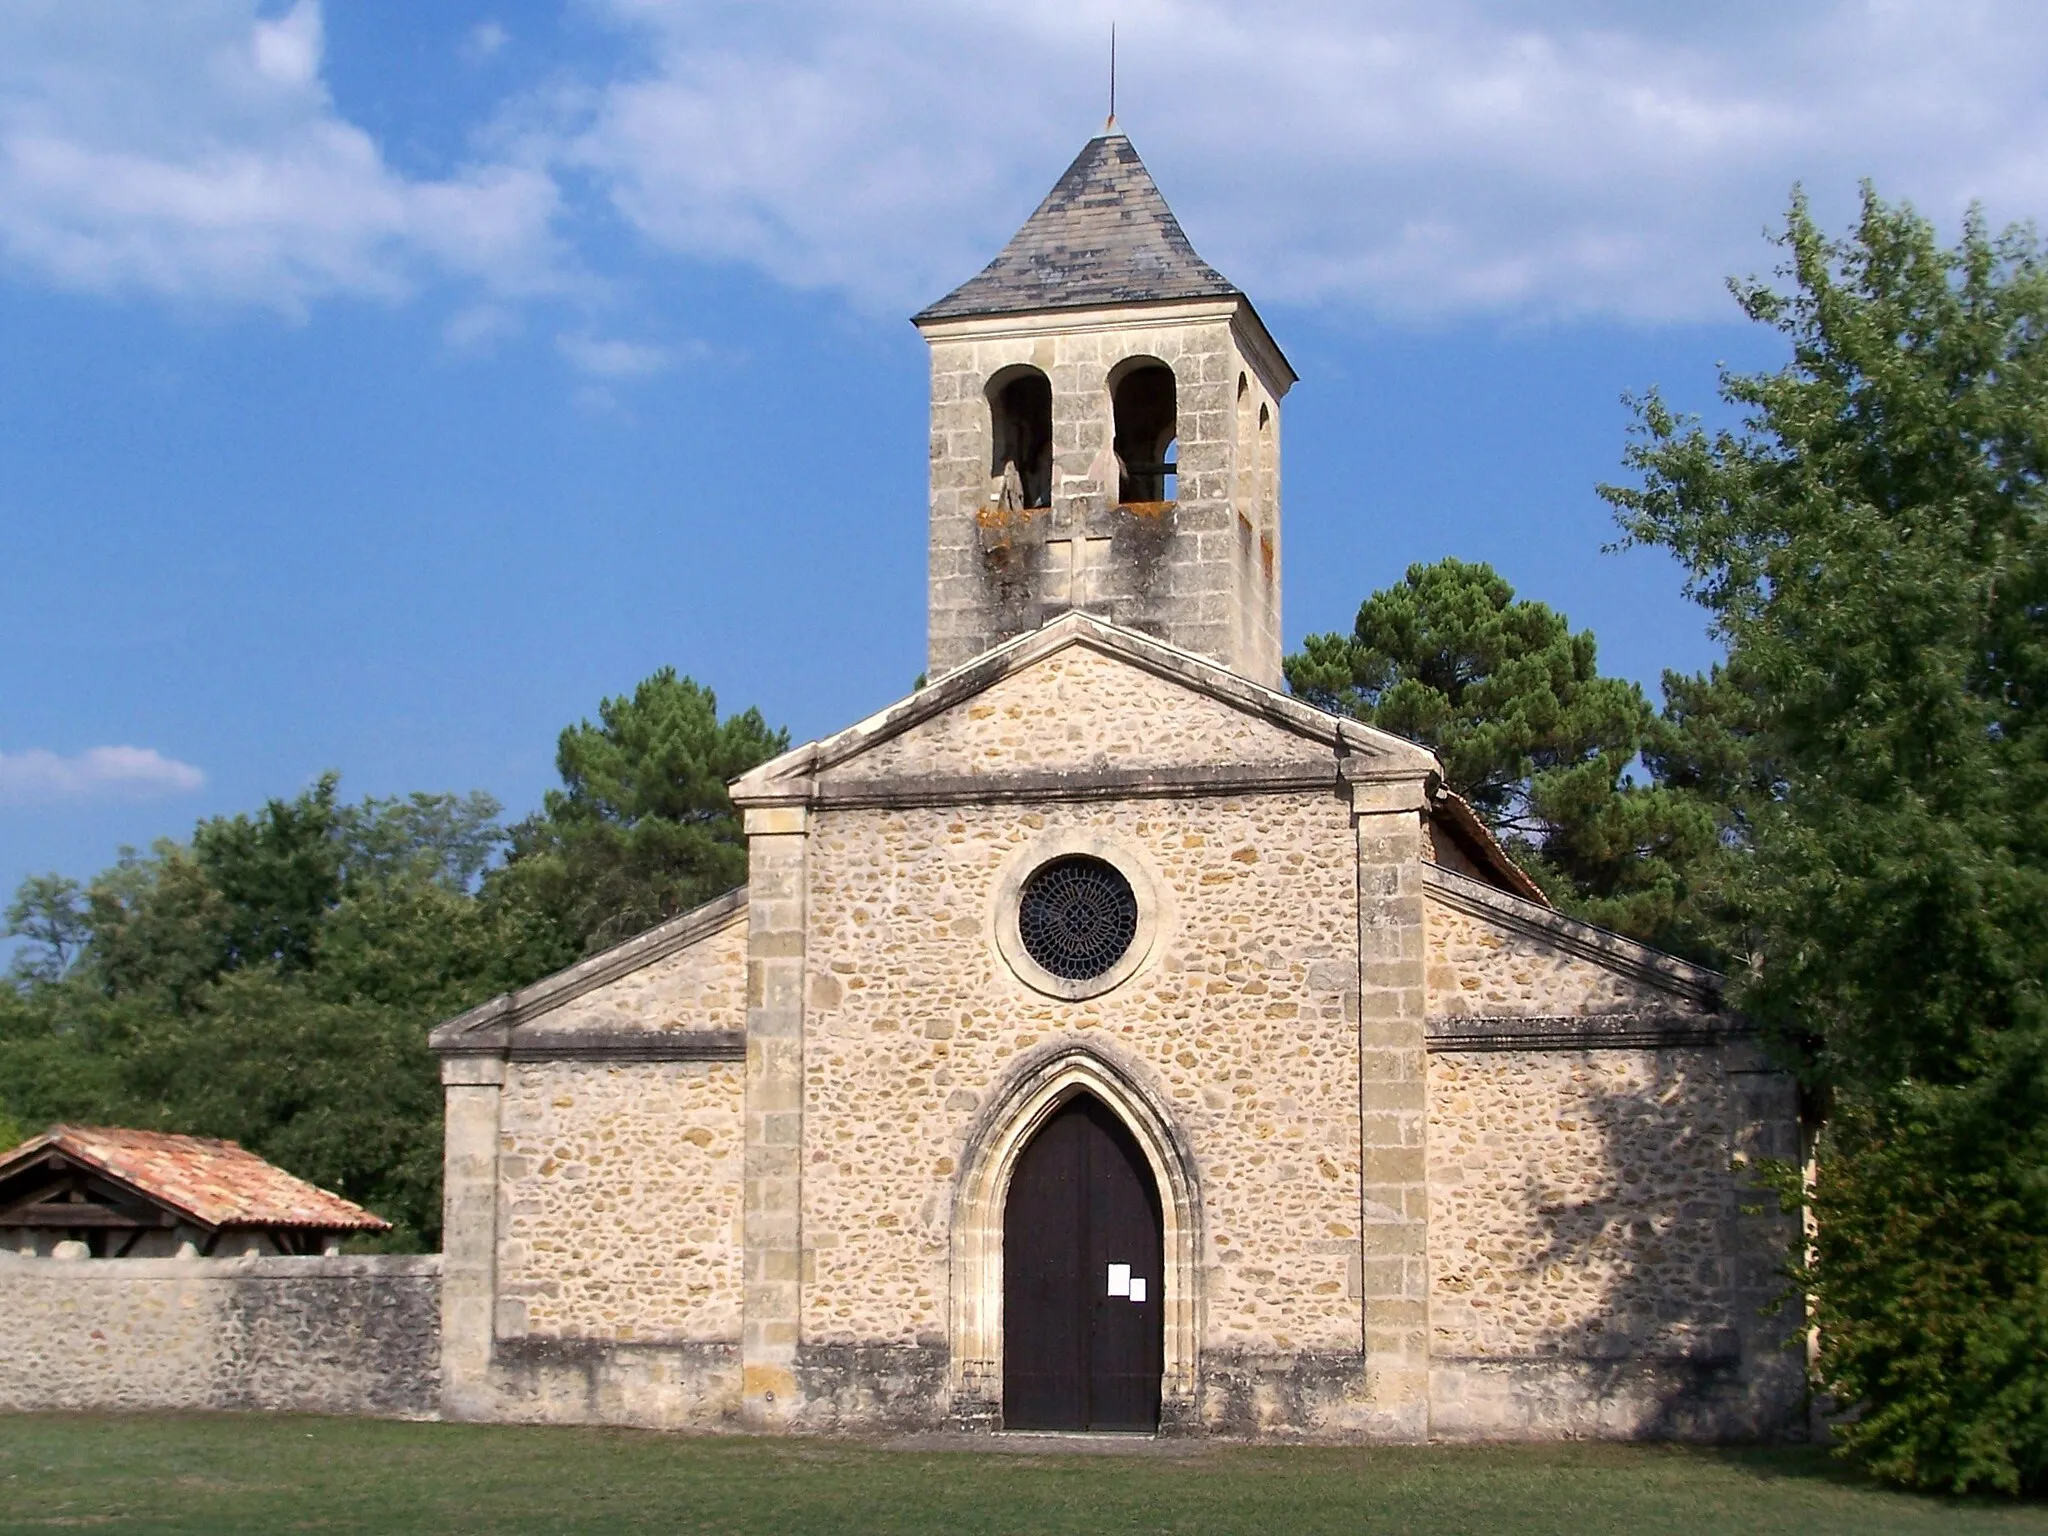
column 1120, row 1280
column 1137, row 1287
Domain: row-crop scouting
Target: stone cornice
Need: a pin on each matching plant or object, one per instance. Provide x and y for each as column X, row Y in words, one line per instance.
column 628, row 1045
column 1249, row 329
column 487, row 1029
column 1244, row 318
column 1094, row 783
column 1581, row 1032
column 1694, row 983
column 1080, row 320
column 1258, row 345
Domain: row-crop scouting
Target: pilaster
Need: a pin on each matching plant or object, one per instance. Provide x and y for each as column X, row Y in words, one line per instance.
column 473, row 1086
column 773, row 1192
column 1393, row 1087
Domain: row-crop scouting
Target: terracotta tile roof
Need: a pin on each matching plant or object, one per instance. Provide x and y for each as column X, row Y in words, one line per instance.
column 1484, row 847
column 216, row 1183
column 1103, row 236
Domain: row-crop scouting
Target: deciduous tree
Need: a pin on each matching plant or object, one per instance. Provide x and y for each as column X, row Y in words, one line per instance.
column 1870, row 544
column 273, row 979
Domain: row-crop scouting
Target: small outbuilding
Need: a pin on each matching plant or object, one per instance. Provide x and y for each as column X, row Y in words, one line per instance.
column 110, row 1193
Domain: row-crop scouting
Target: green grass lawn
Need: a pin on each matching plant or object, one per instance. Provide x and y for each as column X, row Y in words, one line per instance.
column 229, row 1473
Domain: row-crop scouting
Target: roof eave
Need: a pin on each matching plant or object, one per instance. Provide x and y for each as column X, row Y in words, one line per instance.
column 1082, row 315
column 1257, row 343
column 1478, row 839
column 1253, row 338
column 57, row 1140
column 938, row 313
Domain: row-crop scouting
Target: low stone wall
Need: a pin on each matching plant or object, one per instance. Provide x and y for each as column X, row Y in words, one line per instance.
column 356, row 1335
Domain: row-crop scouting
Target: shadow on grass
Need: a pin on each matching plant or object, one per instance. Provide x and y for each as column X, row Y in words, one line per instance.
column 1811, row 1464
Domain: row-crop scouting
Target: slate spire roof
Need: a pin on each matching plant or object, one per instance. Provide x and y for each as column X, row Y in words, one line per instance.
column 1102, row 237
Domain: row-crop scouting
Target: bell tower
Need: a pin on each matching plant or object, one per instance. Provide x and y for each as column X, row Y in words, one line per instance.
column 1105, row 433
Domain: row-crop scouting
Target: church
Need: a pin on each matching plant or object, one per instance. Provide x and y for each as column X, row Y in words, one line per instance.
column 1105, row 1040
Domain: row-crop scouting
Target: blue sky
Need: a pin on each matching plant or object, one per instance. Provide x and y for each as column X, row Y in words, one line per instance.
column 384, row 384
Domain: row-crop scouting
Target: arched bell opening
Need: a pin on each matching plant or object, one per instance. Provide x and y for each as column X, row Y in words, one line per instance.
column 1144, row 404
column 1020, row 435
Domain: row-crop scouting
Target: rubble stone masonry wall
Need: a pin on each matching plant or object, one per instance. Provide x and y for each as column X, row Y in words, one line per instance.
column 1485, row 969
column 1438, row 1161
column 1581, row 1204
column 356, row 1335
column 620, row 1202
column 1079, row 709
column 702, row 986
column 1243, row 1021
column 1602, row 1259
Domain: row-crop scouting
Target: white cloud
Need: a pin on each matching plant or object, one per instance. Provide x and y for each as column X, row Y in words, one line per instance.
column 478, row 328
column 38, row 777
column 485, row 41
column 1404, row 157
column 193, row 151
column 1386, row 157
column 288, row 49
column 612, row 358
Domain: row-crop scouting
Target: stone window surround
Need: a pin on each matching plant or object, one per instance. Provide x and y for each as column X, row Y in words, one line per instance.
column 1154, row 912
column 1037, row 1089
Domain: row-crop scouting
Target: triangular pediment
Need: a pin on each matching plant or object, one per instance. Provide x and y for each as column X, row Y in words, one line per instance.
column 1081, row 696
column 1503, row 967
column 679, row 990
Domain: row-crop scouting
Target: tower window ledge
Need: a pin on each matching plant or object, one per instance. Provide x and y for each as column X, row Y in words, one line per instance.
column 1147, row 508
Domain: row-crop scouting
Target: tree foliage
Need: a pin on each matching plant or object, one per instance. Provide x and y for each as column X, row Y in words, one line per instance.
column 49, row 912
column 1931, row 1289
column 642, row 828
column 273, row 978
column 272, row 981
column 1513, row 703
column 1870, row 546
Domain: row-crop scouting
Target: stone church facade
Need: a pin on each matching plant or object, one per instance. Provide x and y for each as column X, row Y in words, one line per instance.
column 1104, row 1038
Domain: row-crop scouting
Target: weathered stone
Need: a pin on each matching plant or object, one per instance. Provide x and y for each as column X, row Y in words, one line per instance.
column 1431, row 1157
column 305, row 1335
column 1100, row 281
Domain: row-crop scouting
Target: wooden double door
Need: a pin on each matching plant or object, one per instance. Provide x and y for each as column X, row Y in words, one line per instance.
column 1083, row 1246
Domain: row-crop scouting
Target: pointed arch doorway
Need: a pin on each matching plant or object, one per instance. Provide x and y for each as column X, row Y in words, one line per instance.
column 1083, row 1277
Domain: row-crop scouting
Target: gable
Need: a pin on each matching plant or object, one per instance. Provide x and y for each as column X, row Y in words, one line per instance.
column 686, row 978
column 1078, row 696
column 1495, row 956
column 700, row 986
column 1078, row 709
column 55, row 1191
